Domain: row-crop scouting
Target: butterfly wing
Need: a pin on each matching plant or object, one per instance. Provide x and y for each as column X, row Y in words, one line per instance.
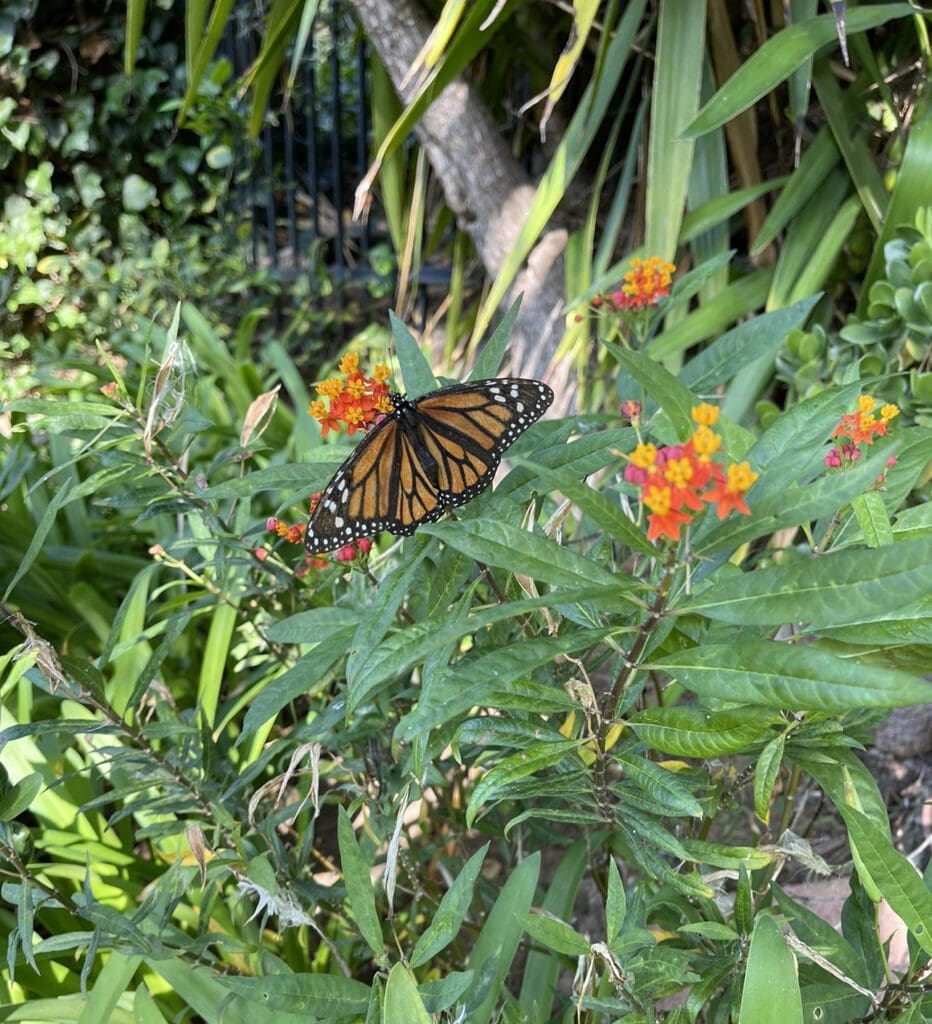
column 464, row 430
column 430, row 455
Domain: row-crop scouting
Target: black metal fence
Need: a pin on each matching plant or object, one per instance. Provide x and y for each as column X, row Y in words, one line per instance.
column 299, row 187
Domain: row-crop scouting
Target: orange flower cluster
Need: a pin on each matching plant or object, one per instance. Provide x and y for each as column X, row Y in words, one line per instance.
column 859, row 428
column 677, row 478
column 295, row 535
column 356, row 401
column 646, row 283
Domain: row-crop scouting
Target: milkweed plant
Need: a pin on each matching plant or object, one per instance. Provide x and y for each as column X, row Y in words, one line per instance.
column 551, row 758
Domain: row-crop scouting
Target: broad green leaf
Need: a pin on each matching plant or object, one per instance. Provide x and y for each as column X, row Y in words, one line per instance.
column 495, row 783
column 780, row 56
column 441, row 993
column 330, row 996
column 839, row 588
column 449, row 916
column 359, row 891
column 771, row 987
column 765, row 776
column 556, row 935
column 509, row 547
column 714, row 930
column 695, row 732
column 502, row 932
column 403, row 1004
column 315, row 625
column 780, row 675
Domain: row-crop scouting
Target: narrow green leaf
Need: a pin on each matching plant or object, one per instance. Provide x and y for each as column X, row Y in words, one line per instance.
column 300, row 478
column 403, row 1003
column 110, row 984
column 359, row 890
column 674, row 398
column 206, row 48
column 839, row 588
column 765, row 776
column 42, row 530
column 315, row 625
column 556, row 935
column 780, row 56
column 449, row 916
column 415, row 369
column 872, row 517
column 19, row 796
column 541, row 973
column 214, row 660
column 696, row 732
column 771, row 988
column 660, row 784
column 493, row 352
column 607, row 513
column 330, row 996
column 741, row 297
column 681, row 34
column 779, row 675
column 135, row 18
column 720, row 209
column 532, row 554
column 495, row 782
column 752, row 340
column 902, row 886
column 823, row 257
column 502, row 932
column 616, row 903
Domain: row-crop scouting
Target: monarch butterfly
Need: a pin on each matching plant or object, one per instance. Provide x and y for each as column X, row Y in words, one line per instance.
column 427, row 456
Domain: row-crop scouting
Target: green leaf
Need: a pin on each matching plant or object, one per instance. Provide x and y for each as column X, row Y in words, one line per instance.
column 38, row 538
column 779, row 675
column 780, row 56
column 556, row 935
column 315, row 625
column 403, row 1004
column 330, row 996
column 519, row 551
column 899, row 882
column 449, row 916
column 214, row 660
column 681, row 50
column 502, row 932
column 135, row 16
column 714, row 930
column 771, row 987
column 872, row 517
column 493, row 352
column 603, row 510
column 19, row 796
column 660, row 784
column 616, row 904
column 674, row 398
column 359, row 891
column 415, row 369
column 518, row 766
column 759, row 337
column 765, row 776
column 840, row 588
column 295, row 477
column 696, row 732
column 138, row 194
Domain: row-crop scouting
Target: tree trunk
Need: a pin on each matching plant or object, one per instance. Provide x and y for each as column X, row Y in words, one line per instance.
column 485, row 187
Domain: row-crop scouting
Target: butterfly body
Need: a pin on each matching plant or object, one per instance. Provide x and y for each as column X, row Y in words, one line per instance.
column 428, row 456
